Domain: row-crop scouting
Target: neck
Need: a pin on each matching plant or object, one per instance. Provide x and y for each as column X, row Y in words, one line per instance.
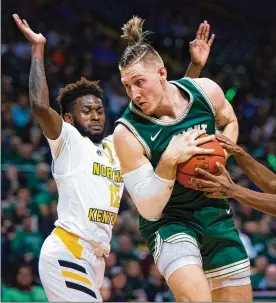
column 172, row 103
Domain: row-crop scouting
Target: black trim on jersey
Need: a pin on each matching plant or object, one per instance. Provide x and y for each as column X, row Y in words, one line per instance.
column 81, row 288
column 72, row 265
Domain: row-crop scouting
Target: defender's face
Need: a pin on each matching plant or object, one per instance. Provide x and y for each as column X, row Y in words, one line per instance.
column 89, row 117
column 143, row 86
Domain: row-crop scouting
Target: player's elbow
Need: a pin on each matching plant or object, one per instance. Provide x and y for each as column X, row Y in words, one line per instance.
column 148, row 212
column 147, row 206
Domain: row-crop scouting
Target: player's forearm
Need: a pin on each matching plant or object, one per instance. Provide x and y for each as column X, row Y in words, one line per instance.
column 166, row 167
column 231, row 131
column 263, row 202
column 38, row 88
column 149, row 191
column 193, row 71
column 256, row 172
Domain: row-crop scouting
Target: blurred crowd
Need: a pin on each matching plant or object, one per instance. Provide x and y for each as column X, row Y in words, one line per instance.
column 84, row 40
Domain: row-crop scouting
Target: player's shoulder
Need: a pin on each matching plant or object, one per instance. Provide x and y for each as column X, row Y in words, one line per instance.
column 210, row 87
column 205, row 82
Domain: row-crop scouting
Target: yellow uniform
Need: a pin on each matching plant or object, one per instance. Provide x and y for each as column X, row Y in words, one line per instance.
column 90, row 187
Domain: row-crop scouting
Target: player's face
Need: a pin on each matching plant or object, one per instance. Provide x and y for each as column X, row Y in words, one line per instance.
column 144, row 85
column 89, row 117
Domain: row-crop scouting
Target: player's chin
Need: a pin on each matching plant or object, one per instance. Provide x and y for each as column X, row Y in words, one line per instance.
column 96, row 132
column 148, row 111
column 96, row 136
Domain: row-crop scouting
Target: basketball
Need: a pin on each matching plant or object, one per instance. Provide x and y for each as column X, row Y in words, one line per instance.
column 186, row 170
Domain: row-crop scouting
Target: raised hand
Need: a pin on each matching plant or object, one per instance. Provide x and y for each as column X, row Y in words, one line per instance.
column 200, row 47
column 34, row 39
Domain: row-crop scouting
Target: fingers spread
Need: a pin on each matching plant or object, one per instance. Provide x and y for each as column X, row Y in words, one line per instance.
column 196, row 133
column 207, row 31
column 205, row 139
column 17, row 19
column 202, row 183
column 199, row 31
column 203, row 151
column 210, row 42
column 227, row 147
column 205, row 174
column 222, row 138
column 25, row 22
column 224, row 171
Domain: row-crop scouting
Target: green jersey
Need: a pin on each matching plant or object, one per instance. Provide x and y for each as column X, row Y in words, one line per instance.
column 155, row 135
column 188, row 214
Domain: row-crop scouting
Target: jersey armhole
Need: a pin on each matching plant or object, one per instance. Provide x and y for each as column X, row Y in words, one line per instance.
column 136, row 134
column 202, row 92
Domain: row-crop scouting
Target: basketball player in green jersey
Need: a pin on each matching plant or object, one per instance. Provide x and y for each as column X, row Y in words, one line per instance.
column 193, row 239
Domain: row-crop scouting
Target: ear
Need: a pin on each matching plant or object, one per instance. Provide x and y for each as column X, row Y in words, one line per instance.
column 162, row 71
column 68, row 118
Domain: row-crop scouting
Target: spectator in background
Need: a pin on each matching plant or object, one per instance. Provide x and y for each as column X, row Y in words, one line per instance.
column 21, row 112
column 260, row 265
column 250, row 249
column 26, row 244
column 271, row 250
column 12, row 181
column 126, row 250
column 118, row 279
column 111, row 261
column 46, row 197
column 24, row 289
column 156, row 287
column 38, row 182
column 269, row 280
column 106, row 290
column 135, row 281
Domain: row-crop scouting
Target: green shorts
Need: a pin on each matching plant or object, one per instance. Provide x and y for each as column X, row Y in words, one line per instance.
column 211, row 229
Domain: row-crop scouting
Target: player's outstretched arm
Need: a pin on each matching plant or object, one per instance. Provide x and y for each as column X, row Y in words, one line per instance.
column 151, row 189
column 226, row 120
column 222, row 186
column 49, row 120
column 200, row 50
column 255, row 171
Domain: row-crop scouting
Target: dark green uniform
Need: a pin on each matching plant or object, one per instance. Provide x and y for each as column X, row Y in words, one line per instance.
column 189, row 215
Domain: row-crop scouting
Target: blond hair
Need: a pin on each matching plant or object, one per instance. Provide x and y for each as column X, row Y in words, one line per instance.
column 138, row 48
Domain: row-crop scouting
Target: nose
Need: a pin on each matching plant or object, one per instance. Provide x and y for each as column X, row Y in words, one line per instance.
column 135, row 94
column 95, row 116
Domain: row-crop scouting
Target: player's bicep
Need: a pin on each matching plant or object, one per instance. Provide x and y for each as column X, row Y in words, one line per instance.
column 128, row 149
column 224, row 113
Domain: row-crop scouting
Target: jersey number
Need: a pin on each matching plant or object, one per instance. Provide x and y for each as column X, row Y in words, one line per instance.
column 115, row 196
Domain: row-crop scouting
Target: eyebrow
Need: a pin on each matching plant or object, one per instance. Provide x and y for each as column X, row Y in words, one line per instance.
column 136, row 76
column 99, row 106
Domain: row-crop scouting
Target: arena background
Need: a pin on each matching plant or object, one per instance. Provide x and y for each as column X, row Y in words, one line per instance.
column 83, row 40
